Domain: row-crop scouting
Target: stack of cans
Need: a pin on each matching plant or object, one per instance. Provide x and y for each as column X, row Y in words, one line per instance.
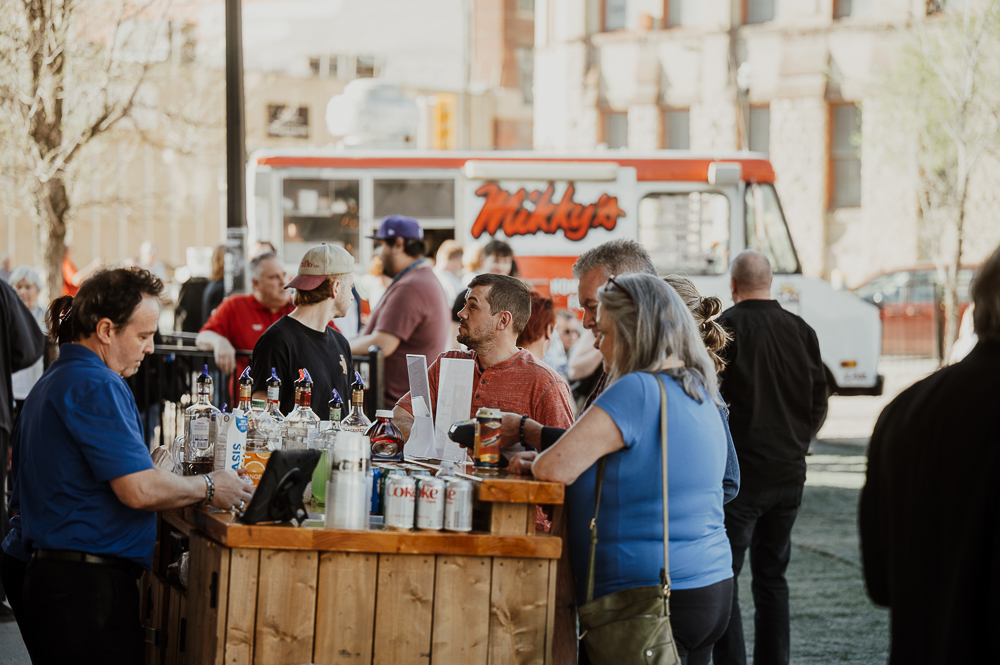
column 426, row 502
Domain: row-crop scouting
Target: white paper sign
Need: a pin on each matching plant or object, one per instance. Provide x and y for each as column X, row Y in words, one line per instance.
column 454, row 401
column 421, row 441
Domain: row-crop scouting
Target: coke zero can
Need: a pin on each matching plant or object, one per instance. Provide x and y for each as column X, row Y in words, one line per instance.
column 457, row 505
column 430, row 503
column 400, row 500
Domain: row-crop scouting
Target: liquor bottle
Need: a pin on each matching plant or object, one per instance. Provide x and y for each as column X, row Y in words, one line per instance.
column 200, row 431
column 302, row 424
column 259, row 425
column 272, row 418
column 356, row 420
column 386, row 439
column 326, row 440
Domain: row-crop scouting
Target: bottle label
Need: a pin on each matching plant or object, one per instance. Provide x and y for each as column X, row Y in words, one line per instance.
column 334, row 415
column 273, row 393
column 255, row 463
column 199, row 433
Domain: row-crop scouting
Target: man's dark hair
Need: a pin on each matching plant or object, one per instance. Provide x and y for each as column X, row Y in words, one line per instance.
column 617, row 257
column 497, row 248
column 986, row 298
column 108, row 294
column 507, row 294
column 414, row 247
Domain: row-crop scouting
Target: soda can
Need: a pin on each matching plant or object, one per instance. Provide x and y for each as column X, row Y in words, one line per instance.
column 378, row 482
column 487, row 451
column 400, row 501
column 430, row 503
column 457, row 504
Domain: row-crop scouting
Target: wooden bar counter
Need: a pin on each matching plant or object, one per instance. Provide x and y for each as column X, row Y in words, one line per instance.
column 285, row 595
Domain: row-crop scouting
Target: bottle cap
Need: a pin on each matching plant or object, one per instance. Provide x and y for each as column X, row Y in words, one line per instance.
column 383, row 413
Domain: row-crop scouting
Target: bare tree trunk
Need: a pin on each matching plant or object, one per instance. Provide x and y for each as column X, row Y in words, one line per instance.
column 55, row 205
column 951, row 302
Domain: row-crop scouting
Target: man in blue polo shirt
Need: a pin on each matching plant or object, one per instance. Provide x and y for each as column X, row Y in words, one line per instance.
column 85, row 483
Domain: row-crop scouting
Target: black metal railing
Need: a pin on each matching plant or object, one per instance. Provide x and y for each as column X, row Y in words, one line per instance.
column 166, row 381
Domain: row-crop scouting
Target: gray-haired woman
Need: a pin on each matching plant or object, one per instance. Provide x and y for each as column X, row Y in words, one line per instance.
column 643, row 328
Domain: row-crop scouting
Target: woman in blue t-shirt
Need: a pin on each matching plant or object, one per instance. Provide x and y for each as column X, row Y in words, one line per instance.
column 643, row 327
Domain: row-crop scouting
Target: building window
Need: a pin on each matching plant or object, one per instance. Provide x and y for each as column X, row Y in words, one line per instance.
column 314, row 66
column 614, row 15
column 760, row 129
column 526, row 6
column 526, row 65
column 677, row 129
column 681, row 12
column 288, row 121
column 758, row 11
column 845, row 156
column 616, row 130
column 366, row 67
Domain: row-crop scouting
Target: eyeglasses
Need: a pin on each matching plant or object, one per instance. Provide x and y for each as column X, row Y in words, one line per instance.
column 611, row 280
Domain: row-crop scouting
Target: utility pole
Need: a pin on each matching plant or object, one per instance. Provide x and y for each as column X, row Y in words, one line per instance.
column 236, row 139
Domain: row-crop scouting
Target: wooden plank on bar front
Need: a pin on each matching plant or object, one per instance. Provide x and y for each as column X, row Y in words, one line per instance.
column 173, row 627
column 208, row 592
column 550, row 612
column 241, row 615
column 286, row 607
column 345, row 608
column 403, row 609
column 519, row 606
column 512, row 519
column 461, row 631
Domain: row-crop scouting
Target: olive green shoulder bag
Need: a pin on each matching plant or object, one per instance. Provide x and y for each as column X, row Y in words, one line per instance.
column 631, row 626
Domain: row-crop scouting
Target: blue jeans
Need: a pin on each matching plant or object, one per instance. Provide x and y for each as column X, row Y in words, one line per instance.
column 761, row 520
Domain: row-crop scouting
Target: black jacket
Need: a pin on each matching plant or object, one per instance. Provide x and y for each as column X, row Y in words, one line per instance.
column 929, row 515
column 21, row 344
column 775, row 385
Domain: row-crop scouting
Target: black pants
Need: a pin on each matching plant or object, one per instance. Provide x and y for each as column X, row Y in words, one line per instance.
column 761, row 520
column 92, row 610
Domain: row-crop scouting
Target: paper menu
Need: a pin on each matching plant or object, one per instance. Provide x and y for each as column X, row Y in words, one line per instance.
column 454, row 402
column 421, row 442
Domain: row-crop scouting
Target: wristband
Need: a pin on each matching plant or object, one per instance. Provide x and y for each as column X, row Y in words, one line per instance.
column 524, row 419
column 209, row 491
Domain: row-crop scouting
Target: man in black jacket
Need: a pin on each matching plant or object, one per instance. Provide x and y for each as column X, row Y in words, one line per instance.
column 929, row 515
column 21, row 344
column 775, row 385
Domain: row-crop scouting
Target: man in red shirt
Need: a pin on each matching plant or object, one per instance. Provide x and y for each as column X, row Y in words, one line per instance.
column 413, row 315
column 242, row 318
column 505, row 377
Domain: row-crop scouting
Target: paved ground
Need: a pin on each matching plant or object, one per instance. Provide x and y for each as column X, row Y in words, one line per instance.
column 832, row 619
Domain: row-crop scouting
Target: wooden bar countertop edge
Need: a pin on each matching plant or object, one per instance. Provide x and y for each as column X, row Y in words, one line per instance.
column 222, row 528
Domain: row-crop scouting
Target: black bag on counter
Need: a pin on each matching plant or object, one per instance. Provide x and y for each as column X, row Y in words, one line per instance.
column 278, row 497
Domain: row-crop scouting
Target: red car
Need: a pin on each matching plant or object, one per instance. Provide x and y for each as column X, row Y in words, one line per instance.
column 908, row 300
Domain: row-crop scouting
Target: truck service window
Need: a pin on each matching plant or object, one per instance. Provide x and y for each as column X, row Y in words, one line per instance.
column 686, row 232
column 316, row 211
column 766, row 229
column 421, row 199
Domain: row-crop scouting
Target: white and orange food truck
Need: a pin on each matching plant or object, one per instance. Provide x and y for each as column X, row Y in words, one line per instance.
column 693, row 213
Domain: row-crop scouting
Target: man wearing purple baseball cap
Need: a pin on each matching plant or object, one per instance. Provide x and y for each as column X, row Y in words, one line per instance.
column 413, row 316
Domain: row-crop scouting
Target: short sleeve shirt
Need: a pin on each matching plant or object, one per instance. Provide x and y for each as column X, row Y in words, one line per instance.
column 242, row 319
column 520, row 384
column 630, row 522
column 415, row 310
column 79, row 430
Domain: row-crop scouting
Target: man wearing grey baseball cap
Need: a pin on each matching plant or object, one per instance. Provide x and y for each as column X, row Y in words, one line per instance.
column 413, row 316
column 304, row 338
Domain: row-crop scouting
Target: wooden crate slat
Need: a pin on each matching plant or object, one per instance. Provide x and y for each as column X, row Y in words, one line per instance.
column 208, row 590
column 512, row 519
column 286, row 607
column 404, row 609
column 345, row 608
column 518, row 607
column 461, row 610
column 241, row 615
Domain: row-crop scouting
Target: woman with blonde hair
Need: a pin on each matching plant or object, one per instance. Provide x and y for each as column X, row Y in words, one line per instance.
column 706, row 311
column 646, row 335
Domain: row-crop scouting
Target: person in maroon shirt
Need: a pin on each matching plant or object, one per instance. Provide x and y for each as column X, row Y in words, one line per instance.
column 413, row 315
column 242, row 318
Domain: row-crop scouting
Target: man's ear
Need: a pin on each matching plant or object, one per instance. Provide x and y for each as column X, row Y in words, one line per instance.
column 505, row 321
column 732, row 285
column 104, row 330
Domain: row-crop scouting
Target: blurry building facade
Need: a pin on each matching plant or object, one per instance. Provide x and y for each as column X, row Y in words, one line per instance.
column 787, row 78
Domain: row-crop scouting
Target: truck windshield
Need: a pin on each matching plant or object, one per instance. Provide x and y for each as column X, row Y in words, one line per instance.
column 686, row 232
column 766, row 230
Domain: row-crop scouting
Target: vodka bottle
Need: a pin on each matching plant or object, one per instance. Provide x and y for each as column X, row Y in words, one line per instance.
column 259, row 425
column 200, row 430
column 272, row 420
column 356, row 420
column 302, row 424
